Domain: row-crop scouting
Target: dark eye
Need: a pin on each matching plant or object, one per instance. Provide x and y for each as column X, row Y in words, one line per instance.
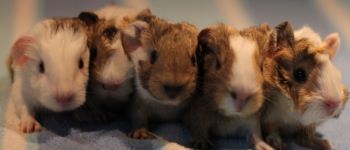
column 41, row 67
column 300, row 75
column 193, row 60
column 234, row 95
column 110, row 32
column 154, row 56
column 81, row 64
column 93, row 53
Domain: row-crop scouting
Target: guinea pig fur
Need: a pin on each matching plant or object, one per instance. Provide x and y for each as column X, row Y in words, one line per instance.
column 112, row 73
column 165, row 63
column 50, row 70
column 231, row 90
column 303, row 87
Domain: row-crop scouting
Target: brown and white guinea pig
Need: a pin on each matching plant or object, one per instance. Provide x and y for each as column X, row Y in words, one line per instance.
column 112, row 73
column 165, row 63
column 303, row 87
column 50, row 70
column 231, row 90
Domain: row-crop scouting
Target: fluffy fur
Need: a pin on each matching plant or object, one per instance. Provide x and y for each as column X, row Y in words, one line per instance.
column 231, row 89
column 46, row 69
column 295, row 105
column 155, row 47
column 112, row 73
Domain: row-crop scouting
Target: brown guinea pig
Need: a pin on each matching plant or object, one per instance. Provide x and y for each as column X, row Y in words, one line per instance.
column 303, row 87
column 231, row 93
column 165, row 63
column 112, row 73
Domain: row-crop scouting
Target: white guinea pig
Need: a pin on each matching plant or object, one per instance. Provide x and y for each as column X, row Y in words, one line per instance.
column 50, row 70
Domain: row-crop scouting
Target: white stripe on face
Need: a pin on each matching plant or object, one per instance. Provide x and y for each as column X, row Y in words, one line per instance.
column 243, row 79
column 243, row 69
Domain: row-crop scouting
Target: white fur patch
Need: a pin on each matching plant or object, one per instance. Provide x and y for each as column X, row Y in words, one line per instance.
column 112, row 12
column 329, row 88
column 60, row 53
column 118, row 67
column 227, row 105
column 243, row 73
column 308, row 33
column 243, row 80
column 330, row 80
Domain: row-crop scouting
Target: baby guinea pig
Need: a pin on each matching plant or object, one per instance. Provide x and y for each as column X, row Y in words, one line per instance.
column 111, row 79
column 231, row 90
column 303, row 87
column 165, row 63
column 50, row 70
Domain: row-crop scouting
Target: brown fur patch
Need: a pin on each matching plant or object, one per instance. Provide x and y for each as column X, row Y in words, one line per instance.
column 217, row 60
column 174, row 45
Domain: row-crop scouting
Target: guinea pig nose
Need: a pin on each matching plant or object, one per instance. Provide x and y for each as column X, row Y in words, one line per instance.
column 172, row 90
column 110, row 86
column 241, row 99
column 331, row 105
column 64, row 98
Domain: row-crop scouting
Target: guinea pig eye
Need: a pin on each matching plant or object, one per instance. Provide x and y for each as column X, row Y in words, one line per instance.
column 41, row 67
column 81, row 64
column 109, row 32
column 300, row 75
column 193, row 60
column 154, row 56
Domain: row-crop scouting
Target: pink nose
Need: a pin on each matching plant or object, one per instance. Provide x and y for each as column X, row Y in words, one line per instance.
column 331, row 106
column 110, row 86
column 64, row 99
column 241, row 99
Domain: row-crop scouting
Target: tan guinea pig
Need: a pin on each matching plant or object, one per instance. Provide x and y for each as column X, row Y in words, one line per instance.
column 304, row 88
column 112, row 73
column 165, row 63
column 232, row 94
column 50, row 70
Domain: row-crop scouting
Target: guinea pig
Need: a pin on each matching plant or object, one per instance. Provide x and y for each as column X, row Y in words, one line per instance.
column 231, row 93
column 303, row 87
column 111, row 70
column 164, row 58
column 50, row 70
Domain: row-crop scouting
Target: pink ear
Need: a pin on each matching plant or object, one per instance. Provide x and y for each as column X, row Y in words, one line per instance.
column 332, row 43
column 19, row 48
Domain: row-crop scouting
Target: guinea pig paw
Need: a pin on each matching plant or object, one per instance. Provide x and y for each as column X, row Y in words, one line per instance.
column 28, row 124
column 142, row 133
column 325, row 145
column 261, row 145
column 275, row 141
column 203, row 144
column 322, row 144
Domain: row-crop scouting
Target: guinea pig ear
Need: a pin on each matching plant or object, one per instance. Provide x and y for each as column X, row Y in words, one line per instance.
column 88, row 18
column 331, row 44
column 265, row 27
column 19, row 49
column 131, row 36
column 145, row 15
column 281, row 37
column 285, row 35
column 205, row 49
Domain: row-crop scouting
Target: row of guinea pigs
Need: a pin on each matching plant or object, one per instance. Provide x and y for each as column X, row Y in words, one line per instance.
column 269, row 84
